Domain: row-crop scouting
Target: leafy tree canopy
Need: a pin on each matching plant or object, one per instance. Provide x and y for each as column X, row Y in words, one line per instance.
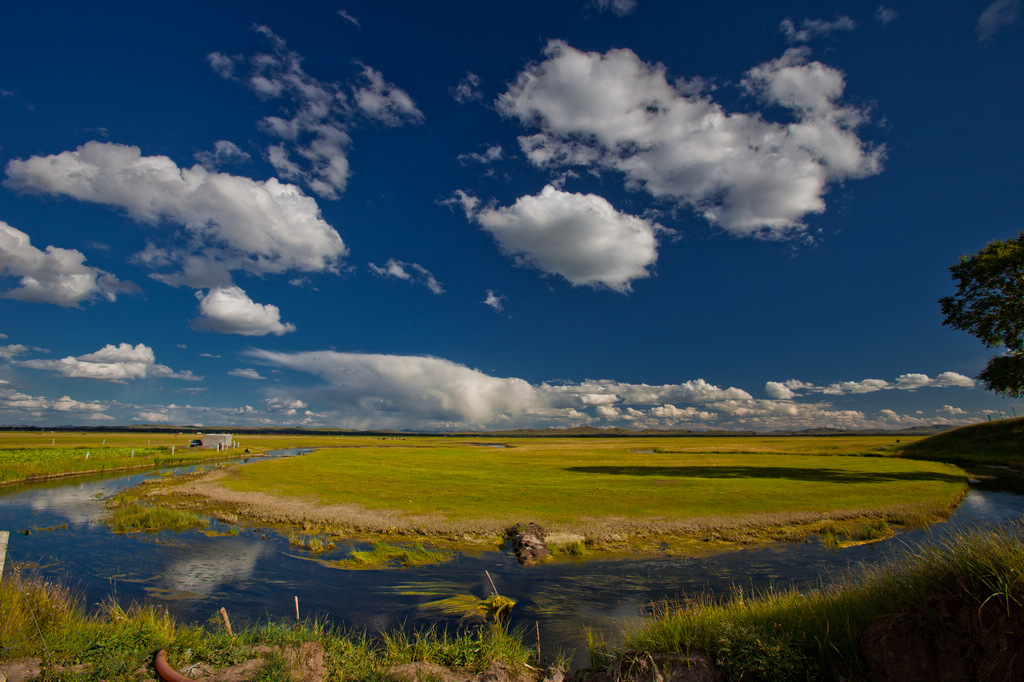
column 989, row 305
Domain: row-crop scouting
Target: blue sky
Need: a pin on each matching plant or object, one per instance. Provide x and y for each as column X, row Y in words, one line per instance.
column 496, row 215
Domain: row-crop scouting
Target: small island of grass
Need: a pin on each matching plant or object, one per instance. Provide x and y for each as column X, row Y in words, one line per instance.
column 603, row 495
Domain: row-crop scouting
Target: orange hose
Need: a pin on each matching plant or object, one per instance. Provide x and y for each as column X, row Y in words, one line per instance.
column 165, row 671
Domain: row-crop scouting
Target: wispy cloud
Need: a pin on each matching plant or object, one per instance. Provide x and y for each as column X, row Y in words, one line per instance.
column 408, row 272
column 467, row 89
column 349, row 18
column 886, row 15
column 490, row 155
column 495, row 300
column 247, row 373
column 997, row 16
column 317, row 117
column 619, row 8
column 811, row 29
column 224, row 152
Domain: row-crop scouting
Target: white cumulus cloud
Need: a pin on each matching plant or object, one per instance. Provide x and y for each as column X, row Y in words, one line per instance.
column 580, row 237
column 425, row 387
column 120, row 363
column 11, row 350
column 904, row 382
column 56, row 275
column 373, row 391
column 741, row 171
column 778, row 391
column 234, row 223
column 229, row 310
column 16, row 405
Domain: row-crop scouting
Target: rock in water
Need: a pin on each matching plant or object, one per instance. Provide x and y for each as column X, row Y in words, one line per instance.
column 528, row 543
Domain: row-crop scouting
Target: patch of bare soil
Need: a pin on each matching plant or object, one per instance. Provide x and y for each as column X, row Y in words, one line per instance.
column 496, row 672
column 305, row 663
column 655, row 667
column 266, row 508
column 25, row 669
column 951, row 639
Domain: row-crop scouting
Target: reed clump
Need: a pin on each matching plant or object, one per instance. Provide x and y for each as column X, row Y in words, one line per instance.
column 384, row 555
column 127, row 515
column 313, row 543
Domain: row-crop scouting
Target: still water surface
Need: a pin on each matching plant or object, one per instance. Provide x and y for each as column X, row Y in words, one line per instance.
column 256, row 575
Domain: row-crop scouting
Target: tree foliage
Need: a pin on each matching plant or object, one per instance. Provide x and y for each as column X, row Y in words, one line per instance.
column 989, row 305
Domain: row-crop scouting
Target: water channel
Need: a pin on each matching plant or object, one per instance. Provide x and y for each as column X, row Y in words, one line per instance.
column 256, row 575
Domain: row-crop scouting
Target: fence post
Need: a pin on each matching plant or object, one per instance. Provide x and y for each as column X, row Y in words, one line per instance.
column 3, row 550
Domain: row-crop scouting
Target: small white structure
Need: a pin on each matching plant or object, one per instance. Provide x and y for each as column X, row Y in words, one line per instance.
column 221, row 441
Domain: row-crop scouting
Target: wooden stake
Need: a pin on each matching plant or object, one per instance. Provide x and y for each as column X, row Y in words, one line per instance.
column 493, row 588
column 538, row 641
column 296, row 609
column 227, row 623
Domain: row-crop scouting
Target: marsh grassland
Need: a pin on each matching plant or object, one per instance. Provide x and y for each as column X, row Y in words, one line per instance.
column 590, row 494
column 35, row 455
column 951, row 609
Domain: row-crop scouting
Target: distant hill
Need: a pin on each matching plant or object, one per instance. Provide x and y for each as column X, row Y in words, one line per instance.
column 573, row 432
column 997, row 443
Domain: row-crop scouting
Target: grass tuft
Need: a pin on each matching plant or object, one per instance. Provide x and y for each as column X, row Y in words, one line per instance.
column 812, row 634
column 384, row 555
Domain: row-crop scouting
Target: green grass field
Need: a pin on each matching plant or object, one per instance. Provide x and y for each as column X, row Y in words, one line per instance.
column 603, row 487
column 998, row 443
